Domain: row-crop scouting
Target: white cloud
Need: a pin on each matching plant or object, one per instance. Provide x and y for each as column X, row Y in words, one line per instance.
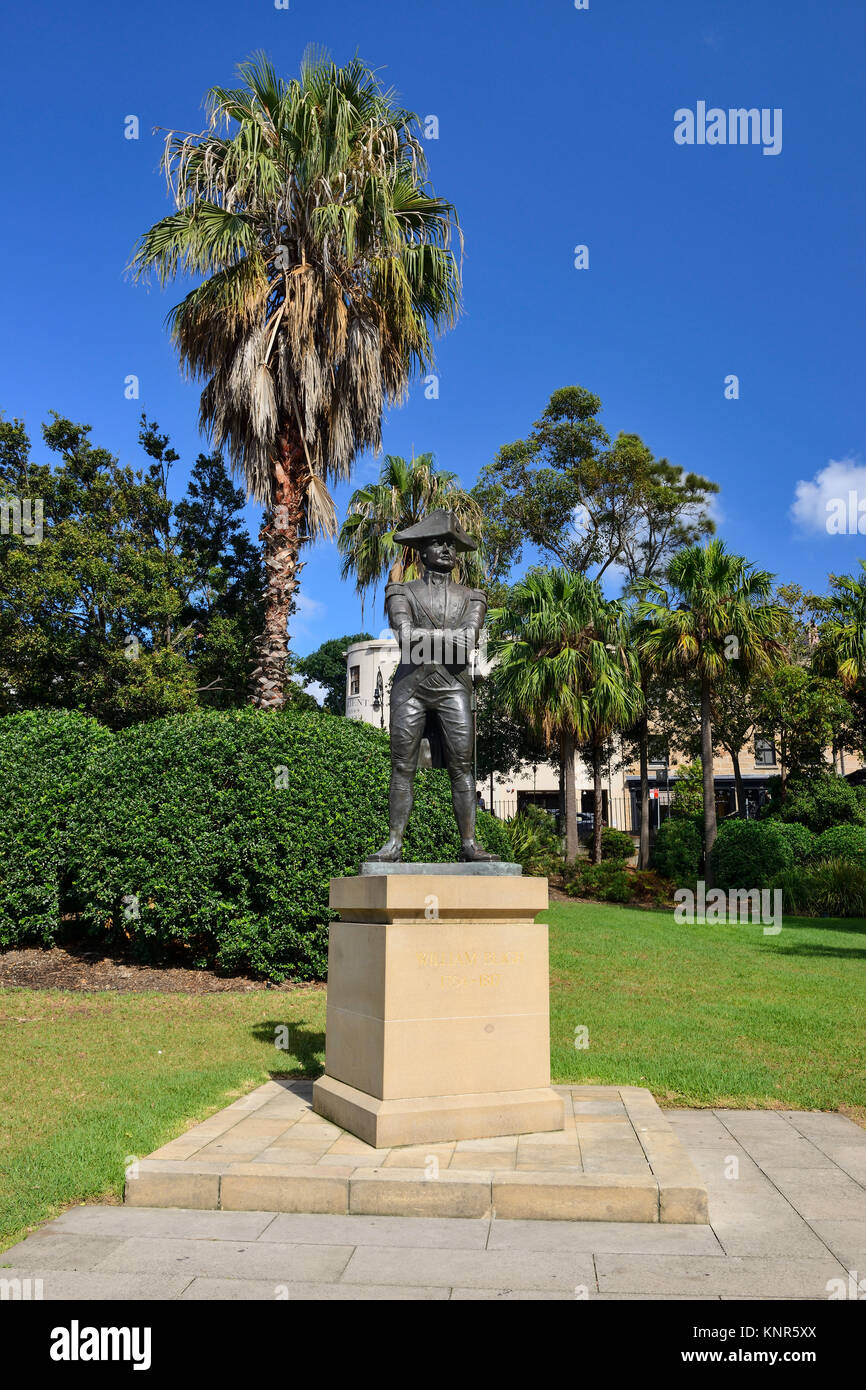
column 831, row 487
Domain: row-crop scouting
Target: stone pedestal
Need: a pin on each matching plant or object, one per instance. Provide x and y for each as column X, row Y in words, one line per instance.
column 438, row 1007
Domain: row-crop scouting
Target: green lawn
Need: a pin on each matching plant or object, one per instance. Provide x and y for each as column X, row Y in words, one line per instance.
column 711, row 1015
column 88, row 1079
column 702, row 1015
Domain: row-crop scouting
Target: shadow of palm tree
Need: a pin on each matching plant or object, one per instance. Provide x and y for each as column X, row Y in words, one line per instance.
column 302, row 1048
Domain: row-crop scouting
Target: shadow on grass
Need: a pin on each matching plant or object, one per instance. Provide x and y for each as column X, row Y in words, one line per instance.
column 292, row 1040
column 806, row 948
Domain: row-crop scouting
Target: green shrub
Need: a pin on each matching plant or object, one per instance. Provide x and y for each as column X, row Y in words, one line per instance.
column 677, row 850
column 209, row 836
column 493, row 835
column 534, row 842
column 841, row 842
column 799, row 838
column 838, row 888
column 44, row 759
column 749, row 853
column 616, row 844
column 608, row 881
column 796, row 886
column 817, row 800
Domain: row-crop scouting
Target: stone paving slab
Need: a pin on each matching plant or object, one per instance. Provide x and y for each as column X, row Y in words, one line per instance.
column 759, row 1243
column 235, row 1290
column 617, row 1158
column 552, row 1272
column 60, row 1285
column 229, row 1259
column 747, row 1277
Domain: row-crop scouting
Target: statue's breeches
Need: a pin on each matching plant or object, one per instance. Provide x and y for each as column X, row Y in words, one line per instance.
column 451, row 710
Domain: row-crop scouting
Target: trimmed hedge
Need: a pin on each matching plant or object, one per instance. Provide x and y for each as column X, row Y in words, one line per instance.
column 749, row 854
column 45, row 757
column 209, row 836
column 841, row 842
column 800, row 839
column 677, row 850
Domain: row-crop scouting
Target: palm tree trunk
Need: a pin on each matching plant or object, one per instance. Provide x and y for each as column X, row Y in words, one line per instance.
column 709, row 782
column 597, row 801
column 280, row 536
column 570, row 798
column 643, row 743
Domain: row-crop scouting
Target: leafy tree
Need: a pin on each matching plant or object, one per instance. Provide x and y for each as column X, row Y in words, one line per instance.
column 325, row 265
column 130, row 607
column 715, row 611
column 224, row 603
column 807, row 712
column 90, row 618
column 327, row 667
column 585, row 503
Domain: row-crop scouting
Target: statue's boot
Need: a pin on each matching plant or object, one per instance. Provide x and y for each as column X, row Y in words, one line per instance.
column 472, row 853
column 390, row 853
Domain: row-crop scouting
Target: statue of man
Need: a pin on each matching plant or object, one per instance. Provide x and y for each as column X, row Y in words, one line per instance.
column 437, row 623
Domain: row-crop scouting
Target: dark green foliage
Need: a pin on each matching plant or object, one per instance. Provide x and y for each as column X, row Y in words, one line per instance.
column 493, row 835
column 608, row 881
column 616, row 844
column 833, row 888
column 799, row 837
column 327, row 666
column 209, row 837
column 129, row 608
column 614, row 882
column 846, row 842
column 535, row 842
column 677, row 850
column 45, row 757
column 817, row 800
column 749, row 854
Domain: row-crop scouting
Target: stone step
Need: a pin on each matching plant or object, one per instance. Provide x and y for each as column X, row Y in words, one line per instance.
column 618, row 1159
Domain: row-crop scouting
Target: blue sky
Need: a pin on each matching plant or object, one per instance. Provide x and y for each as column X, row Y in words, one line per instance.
column 556, row 129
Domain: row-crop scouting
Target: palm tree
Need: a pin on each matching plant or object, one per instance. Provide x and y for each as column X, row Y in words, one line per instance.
column 564, row 666
column 405, row 492
column 714, row 617
column 841, row 647
column 327, row 265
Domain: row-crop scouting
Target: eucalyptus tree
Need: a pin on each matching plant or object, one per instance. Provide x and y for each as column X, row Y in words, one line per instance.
column 325, row 266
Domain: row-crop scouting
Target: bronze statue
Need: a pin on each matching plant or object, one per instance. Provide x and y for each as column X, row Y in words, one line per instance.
column 437, row 623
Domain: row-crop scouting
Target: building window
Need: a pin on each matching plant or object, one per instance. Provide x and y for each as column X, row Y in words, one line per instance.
column 765, row 751
column 354, row 680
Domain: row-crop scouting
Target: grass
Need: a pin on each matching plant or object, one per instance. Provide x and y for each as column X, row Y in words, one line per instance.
column 702, row 1015
column 89, row 1080
column 711, row 1015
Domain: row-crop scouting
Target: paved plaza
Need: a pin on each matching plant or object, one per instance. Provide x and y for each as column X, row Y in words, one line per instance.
column 787, row 1206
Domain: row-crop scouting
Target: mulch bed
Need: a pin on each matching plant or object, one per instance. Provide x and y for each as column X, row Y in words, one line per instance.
column 85, row 970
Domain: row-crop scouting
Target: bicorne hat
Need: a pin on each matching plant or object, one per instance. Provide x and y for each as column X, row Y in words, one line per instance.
column 437, row 525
